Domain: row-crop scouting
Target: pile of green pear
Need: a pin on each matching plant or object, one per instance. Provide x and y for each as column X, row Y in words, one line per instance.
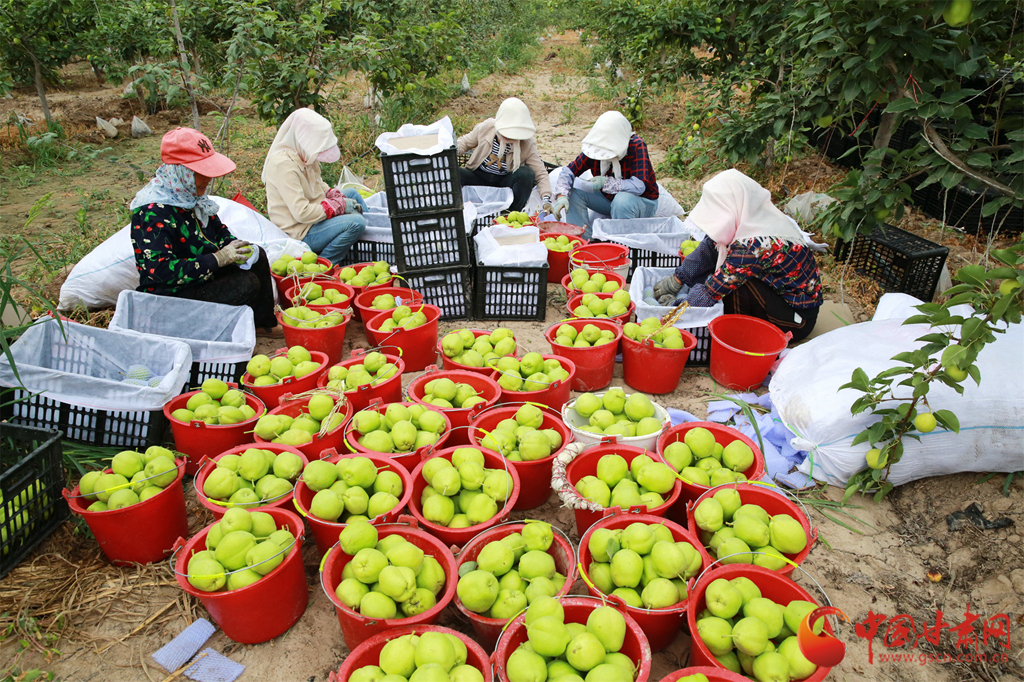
column 700, row 460
column 688, row 246
column 351, row 489
column 317, row 416
column 312, row 293
column 386, row 575
column 253, row 478
column 431, row 657
column 241, row 549
column 374, row 273
column 620, row 484
column 561, row 243
column 753, row 635
column 398, row 429
column 461, row 492
column 613, row 414
column 592, row 305
column 374, row 368
column 296, row 362
column 530, row 373
column 730, row 527
column 465, row 348
column 445, row 393
column 511, row 573
column 401, row 318
column 556, row 650
column 586, row 283
column 388, row 301
column 514, row 219
column 21, row 517
column 522, row 439
column 590, row 335
column 643, row 564
column 306, row 318
column 215, row 403
column 306, row 264
column 133, row 478
column 670, row 337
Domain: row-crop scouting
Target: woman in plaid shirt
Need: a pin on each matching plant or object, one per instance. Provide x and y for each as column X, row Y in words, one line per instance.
column 755, row 259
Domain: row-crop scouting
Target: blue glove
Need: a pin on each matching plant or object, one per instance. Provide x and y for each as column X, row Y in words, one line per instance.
column 598, row 182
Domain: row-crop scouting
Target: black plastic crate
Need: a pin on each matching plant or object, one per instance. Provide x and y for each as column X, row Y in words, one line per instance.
column 898, row 260
column 364, row 251
column 450, row 289
column 432, row 240
column 417, row 184
column 700, row 356
column 139, row 429
column 31, row 479
column 962, row 207
column 229, row 372
column 643, row 258
column 510, row 293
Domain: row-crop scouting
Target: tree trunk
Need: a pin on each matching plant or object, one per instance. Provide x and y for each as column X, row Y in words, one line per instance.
column 41, row 90
column 183, row 60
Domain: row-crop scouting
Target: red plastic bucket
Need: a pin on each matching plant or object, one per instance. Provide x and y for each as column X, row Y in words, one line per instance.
column 363, row 303
column 409, row 460
column 778, row 588
column 486, row 387
column 326, row 532
column 285, row 282
column 263, row 610
column 198, row 439
column 271, row 395
column 558, row 261
column 389, row 390
column 327, row 340
column 554, row 396
column 419, row 345
column 577, row 610
column 660, row 625
column 358, row 290
column 772, row 502
column 577, row 301
column 207, row 466
column 743, row 349
column 368, row 653
column 139, row 534
column 355, row 628
column 448, row 363
column 655, row 370
column 561, row 550
column 293, row 293
column 610, row 275
column 603, row 255
column 312, row 450
column 536, row 475
column 723, row 435
column 594, row 365
column 460, row 536
column 713, row 674
column 585, row 464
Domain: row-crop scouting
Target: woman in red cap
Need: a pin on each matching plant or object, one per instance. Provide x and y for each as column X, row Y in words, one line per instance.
column 182, row 248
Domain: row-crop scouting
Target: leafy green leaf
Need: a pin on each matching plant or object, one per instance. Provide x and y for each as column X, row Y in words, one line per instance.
column 948, row 420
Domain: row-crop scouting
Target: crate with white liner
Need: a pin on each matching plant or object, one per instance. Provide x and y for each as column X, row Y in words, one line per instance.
column 88, row 382
column 632, row 405
column 511, row 274
column 652, row 242
column 694, row 320
column 222, row 337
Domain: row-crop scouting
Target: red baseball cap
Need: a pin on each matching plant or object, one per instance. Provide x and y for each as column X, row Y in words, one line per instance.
column 193, row 150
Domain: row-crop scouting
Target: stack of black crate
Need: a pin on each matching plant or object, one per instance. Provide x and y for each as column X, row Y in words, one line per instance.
column 432, row 252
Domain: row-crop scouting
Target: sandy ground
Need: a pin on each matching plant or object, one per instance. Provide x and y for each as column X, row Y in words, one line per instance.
column 882, row 566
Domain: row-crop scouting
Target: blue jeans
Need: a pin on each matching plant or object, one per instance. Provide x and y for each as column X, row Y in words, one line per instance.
column 622, row 207
column 332, row 238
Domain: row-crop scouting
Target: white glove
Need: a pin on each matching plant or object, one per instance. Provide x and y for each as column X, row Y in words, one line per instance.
column 561, row 206
column 237, row 251
column 598, row 182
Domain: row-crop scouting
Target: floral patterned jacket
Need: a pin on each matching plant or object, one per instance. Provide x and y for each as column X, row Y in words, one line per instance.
column 172, row 250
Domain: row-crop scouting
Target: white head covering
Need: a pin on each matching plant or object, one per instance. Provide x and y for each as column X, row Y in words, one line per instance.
column 513, row 120
column 309, row 135
column 608, row 141
column 733, row 208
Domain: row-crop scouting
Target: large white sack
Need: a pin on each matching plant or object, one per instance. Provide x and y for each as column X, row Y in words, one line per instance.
column 109, row 269
column 805, row 389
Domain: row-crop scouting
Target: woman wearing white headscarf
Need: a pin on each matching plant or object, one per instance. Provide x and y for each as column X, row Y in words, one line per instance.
column 755, row 259
column 505, row 155
column 624, row 184
column 298, row 200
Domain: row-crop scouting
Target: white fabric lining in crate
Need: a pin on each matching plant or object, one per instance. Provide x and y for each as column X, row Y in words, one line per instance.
column 378, row 219
column 660, row 235
column 85, row 366
column 216, row 333
column 646, row 278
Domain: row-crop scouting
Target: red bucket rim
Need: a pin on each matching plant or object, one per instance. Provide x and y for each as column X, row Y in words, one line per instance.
column 432, row 312
column 74, row 496
column 355, row 359
column 314, row 354
column 689, row 343
column 526, row 395
column 385, row 462
column 615, row 449
column 337, row 286
column 594, row 248
column 549, row 413
column 609, row 323
column 172, row 405
column 203, row 473
column 578, row 298
column 432, row 373
column 290, row 402
column 763, row 324
column 381, row 407
column 379, row 291
column 458, row 365
column 348, row 665
column 756, row 470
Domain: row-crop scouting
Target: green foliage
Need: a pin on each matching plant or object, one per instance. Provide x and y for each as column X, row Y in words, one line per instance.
column 947, row 355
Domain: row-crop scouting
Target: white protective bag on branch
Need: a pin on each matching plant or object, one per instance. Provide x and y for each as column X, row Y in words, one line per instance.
column 805, row 389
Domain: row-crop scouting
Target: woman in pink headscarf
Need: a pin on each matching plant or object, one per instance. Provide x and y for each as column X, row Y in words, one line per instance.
column 755, row 259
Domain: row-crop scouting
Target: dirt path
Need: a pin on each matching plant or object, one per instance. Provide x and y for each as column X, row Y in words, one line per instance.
column 883, row 567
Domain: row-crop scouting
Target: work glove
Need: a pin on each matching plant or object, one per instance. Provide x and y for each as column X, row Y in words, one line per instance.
column 548, row 208
column 598, row 182
column 237, row 251
column 561, row 206
column 334, row 207
column 667, row 299
column 669, row 286
column 352, row 206
column 335, row 193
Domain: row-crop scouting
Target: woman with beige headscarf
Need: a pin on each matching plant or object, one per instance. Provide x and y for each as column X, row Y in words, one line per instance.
column 505, row 155
column 329, row 221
